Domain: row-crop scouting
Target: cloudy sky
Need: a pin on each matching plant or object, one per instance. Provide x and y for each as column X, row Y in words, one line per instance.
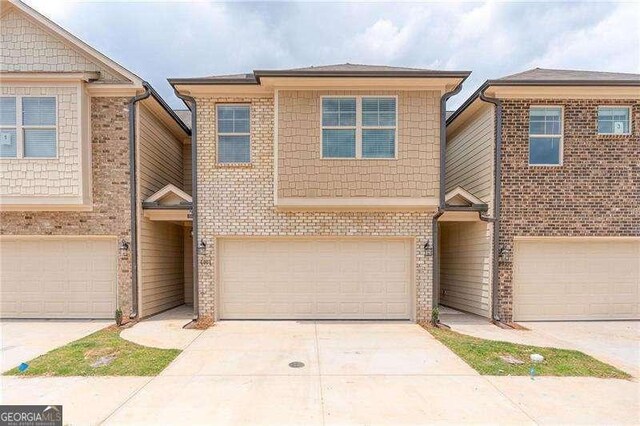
column 162, row 39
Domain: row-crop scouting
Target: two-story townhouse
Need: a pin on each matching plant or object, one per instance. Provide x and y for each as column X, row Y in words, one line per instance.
column 316, row 191
column 94, row 181
column 555, row 156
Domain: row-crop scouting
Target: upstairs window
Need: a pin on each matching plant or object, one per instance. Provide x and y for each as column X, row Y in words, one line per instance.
column 359, row 127
column 32, row 133
column 614, row 120
column 234, row 134
column 545, row 136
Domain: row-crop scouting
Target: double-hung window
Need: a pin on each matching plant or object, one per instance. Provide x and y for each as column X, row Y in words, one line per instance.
column 234, row 134
column 359, row 127
column 28, row 127
column 614, row 120
column 545, row 136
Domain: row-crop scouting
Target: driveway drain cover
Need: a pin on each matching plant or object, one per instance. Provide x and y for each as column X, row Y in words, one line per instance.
column 296, row 364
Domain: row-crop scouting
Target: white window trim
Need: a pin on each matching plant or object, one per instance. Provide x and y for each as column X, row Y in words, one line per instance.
column 359, row 127
column 629, row 133
column 561, row 136
column 20, row 128
column 218, row 134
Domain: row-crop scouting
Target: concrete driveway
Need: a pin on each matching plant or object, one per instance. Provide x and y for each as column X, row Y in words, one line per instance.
column 23, row 340
column 354, row 373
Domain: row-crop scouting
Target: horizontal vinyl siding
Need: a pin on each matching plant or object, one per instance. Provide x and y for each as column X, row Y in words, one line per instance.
column 186, row 167
column 469, row 162
column 465, row 270
column 161, row 243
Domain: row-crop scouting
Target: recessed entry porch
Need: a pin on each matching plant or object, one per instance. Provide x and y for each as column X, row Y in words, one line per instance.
column 465, row 255
column 166, row 252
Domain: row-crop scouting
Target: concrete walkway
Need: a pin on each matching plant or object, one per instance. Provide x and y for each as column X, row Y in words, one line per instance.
column 165, row 330
column 354, row 373
column 613, row 342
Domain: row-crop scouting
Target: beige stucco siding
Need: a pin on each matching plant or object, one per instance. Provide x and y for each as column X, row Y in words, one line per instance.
column 27, row 47
column 469, row 156
column 59, row 177
column 302, row 173
column 465, row 268
column 161, row 243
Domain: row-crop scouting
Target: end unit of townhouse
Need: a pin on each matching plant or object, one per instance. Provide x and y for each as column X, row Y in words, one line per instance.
column 555, row 157
column 83, row 143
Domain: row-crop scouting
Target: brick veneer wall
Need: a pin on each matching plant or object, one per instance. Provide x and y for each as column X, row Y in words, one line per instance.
column 238, row 201
column 595, row 192
column 302, row 173
column 111, row 202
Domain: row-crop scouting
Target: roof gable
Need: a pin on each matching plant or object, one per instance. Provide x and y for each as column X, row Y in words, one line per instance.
column 170, row 195
column 50, row 47
column 461, row 197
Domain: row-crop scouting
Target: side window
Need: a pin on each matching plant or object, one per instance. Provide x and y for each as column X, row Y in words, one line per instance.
column 8, row 128
column 339, row 127
column 28, row 127
column 545, row 136
column 39, row 127
column 234, row 134
column 614, row 120
column 378, row 127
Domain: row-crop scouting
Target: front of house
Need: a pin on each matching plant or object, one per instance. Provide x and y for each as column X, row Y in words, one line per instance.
column 329, row 192
column 316, row 190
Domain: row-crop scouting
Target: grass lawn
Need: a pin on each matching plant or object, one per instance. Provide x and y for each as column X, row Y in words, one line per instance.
column 76, row 358
column 484, row 356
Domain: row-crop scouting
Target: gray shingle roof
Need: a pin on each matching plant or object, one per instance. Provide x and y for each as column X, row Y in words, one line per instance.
column 336, row 70
column 542, row 74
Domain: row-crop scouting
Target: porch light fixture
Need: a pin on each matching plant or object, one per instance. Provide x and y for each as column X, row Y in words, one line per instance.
column 124, row 246
column 428, row 250
column 202, row 246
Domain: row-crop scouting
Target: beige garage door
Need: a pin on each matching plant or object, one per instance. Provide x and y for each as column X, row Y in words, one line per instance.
column 52, row 277
column 315, row 279
column 573, row 279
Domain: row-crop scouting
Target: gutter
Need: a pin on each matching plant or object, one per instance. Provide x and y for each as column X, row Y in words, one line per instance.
column 192, row 105
column 133, row 189
column 441, row 203
column 497, row 187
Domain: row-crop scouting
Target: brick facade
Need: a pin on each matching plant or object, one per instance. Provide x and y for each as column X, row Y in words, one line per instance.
column 111, row 196
column 595, row 192
column 238, row 201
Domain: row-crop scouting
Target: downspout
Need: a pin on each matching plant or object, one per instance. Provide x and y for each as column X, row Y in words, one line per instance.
column 191, row 103
column 497, row 187
column 133, row 184
column 441, row 204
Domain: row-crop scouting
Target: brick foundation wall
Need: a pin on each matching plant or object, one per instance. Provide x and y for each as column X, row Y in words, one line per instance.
column 111, row 196
column 238, row 201
column 595, row 192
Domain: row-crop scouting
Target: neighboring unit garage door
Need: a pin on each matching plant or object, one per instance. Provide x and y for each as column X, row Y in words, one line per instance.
column 576, row 279
column 281, row 278
column 52, row 277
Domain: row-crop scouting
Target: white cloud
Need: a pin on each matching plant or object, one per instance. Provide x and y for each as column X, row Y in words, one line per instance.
column 170, row 39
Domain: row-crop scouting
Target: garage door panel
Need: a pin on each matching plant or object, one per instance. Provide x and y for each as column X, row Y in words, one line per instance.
column 569, row 279
column 58, row 277
column 323, row 278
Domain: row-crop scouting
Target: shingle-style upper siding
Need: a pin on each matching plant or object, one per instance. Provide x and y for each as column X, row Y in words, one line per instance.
column 26, row 47
column 469, row 157
column 595, row 192
column 302, row 173
column 59, row 176
column 238, row 201
column 110, row 175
